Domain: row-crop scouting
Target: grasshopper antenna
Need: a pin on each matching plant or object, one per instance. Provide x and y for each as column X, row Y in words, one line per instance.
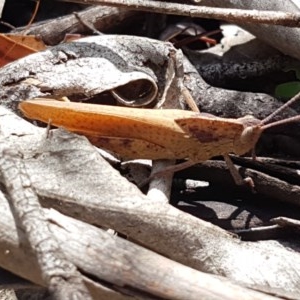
column 285, row 121
column 279, row 110
column 263, row 124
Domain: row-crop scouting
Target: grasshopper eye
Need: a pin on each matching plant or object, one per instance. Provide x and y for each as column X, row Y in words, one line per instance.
column 250, row 135
column 251, row 131
column 247, row 135
column 248, row 139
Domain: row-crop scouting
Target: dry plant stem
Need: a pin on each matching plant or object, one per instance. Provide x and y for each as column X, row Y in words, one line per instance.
column 286, row 222
column 229, row 15
column 257, row 229
column 160, row 186
column 168, row 170
column 37, row 5
column 266, row 233
column 61, row 277
column 175, row 71
column 87, row 24
column 8, row 25
column 189, row 99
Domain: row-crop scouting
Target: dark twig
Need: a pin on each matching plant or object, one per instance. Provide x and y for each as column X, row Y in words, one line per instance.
column 216, row 173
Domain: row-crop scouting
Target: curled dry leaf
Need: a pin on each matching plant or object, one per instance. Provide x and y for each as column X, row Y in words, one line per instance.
column 128, row 66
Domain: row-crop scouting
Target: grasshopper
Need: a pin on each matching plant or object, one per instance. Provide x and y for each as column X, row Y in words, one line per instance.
column 154, row 134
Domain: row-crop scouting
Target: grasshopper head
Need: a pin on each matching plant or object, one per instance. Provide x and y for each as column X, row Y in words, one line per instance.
column 249, row 136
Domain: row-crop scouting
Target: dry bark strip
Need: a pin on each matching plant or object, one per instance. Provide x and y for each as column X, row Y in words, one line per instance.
column 60, row 276
column 68, row 174
column 116, row 261
column 230, row 15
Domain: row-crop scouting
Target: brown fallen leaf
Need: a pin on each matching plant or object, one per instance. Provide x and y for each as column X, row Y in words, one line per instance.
column 13, row 47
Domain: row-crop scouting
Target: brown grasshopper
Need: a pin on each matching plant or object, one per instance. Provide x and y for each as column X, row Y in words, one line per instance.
column 155, row 134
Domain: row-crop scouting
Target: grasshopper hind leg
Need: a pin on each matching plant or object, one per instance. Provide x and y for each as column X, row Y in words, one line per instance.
column 238, row 179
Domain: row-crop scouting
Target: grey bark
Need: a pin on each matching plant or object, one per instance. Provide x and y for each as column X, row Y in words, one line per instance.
column 54, row 31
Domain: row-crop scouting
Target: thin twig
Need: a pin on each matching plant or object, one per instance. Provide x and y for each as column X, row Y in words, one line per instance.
column 7, row 25
column 228, row 14
column 87, row 24
column 36, row 8
column 286, row 222
column 160, row 186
